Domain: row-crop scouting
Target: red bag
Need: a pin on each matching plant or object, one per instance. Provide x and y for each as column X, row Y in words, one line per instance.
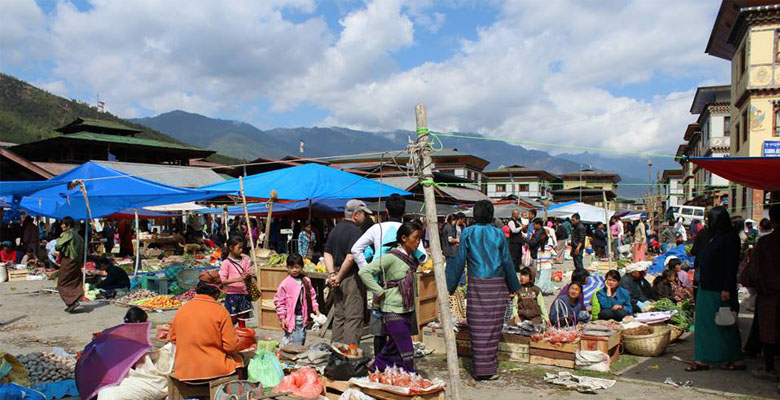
column 246, row 338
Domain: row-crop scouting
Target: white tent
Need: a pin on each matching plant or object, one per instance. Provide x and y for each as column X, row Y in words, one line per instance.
column 588, row 213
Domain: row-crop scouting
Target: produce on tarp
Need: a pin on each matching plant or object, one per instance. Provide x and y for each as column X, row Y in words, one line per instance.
column 396, row 380
column 136, row 295
column 557, row 335
column 304, row 382
column 48, row 367
column 159, row 302
column 186, row 296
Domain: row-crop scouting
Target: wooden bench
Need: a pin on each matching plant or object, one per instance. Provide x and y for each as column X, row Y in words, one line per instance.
column 180, row 390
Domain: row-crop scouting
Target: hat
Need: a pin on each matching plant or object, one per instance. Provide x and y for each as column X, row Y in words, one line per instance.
column 636, row 267
column 211, row 278
column 666, row 262
column 356, row 205
column 749, row 221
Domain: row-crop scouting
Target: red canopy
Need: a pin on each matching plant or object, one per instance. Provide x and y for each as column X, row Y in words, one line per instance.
column 753, row 172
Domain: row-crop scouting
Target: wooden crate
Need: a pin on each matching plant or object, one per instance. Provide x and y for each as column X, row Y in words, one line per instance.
column 506, row 351
column 270, row 278
column 558, row 355
column 562, row 347
column 16, row 275
column 540, row 360
column 600, row 343
column 382, row 395
column 425, row 303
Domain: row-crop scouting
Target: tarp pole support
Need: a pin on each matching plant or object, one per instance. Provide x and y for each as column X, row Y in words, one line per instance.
column 268, row 219
column 609, row 230
column 86, row 235
column 438, row 259
column 137, row 242
column 251, row 243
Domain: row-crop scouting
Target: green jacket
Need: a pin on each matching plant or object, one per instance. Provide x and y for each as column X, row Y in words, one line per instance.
column 71, row 245
column 391, row 268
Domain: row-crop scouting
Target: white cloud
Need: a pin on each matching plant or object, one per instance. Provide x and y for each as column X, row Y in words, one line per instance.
column 542, row 71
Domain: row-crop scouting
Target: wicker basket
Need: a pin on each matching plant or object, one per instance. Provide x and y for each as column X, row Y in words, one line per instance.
column 675, row 334
column 652, row 345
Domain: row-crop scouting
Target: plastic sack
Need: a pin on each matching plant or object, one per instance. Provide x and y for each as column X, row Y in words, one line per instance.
column 16, row 392
column 304, row 382
column 592, row 360
column 354, row 394
column 13, row 370
column 238, row 390
column 59, row 389
column 268, row 345
column 725, row 317
column 246, row 338
column 341, row 368
column 265, row 368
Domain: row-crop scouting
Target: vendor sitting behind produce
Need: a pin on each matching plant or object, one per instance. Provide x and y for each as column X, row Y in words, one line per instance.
column 637, row 286
column 569, row 311
column 530, row 302
column 116, row 278
column 206, row 344
column 614, row 302
column 398, row 268
column 7, row 253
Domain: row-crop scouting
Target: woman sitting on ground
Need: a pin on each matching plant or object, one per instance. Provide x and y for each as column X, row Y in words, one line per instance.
column 614, row 302
column 206, row 344
column 116, row 278
column 569, row 310
column 664, row 286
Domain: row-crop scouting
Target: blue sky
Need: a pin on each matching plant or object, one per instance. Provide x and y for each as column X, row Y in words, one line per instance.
column 616, row 73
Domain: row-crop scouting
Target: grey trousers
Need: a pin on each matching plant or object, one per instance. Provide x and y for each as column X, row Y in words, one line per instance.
column 349, row 304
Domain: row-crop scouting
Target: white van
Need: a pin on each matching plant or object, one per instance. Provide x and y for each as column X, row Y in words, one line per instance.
column 689, row 213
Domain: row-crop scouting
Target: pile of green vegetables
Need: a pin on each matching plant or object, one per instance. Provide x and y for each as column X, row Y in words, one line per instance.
column 684, row 309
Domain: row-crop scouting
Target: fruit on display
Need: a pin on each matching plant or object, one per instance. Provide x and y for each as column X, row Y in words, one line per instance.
column 186, row 296
column 277, row 259
column 555, row 335
column 160, row 302
column 427, row 266
column 395, row 376
column 48, row 367
column 136, row 295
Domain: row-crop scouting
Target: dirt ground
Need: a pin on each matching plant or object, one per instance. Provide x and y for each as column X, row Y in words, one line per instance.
column 32, row 321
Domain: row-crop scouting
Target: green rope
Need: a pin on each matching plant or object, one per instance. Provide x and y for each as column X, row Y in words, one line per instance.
column 431, row 182
column 424, row 131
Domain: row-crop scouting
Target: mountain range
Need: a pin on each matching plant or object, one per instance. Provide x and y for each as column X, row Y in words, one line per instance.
column 243, row 140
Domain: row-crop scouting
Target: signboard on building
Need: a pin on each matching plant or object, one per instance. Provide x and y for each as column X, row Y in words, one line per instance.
column 771, row 148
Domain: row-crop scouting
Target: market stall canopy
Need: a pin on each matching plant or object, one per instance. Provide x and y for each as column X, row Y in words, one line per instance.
column 109, row 191
column 588, row 213
column 319, row 208
column 309, row 181
column 25, row 188
column 417, row 208
column 754, row 172
column 188, row 206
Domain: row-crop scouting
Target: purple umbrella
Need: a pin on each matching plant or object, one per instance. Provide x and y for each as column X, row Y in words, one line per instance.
column 107, row 358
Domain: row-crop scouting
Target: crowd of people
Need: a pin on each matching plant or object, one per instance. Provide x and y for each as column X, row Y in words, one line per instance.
column 505, row 265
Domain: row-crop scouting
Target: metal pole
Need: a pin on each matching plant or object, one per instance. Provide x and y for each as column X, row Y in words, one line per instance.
column 438, row 259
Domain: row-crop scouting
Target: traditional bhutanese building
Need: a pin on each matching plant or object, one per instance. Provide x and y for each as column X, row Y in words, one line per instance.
column 87, row 139
column 588, row 186
column 747, row 33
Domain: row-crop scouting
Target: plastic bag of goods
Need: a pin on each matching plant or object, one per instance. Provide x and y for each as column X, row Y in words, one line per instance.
column 246, row 338
column 265, row 368
column 304, row 382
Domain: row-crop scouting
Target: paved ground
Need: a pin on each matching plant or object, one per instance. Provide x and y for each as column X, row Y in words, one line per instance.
column 32, row 321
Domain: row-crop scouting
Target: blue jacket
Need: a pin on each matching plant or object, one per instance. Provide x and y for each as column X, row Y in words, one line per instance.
column 621, row 297
column 485, row 249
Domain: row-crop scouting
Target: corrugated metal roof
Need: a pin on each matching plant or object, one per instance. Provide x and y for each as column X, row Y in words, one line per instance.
column 463, row 194
column 131, row 140
column 400, row 182
column 189, row 177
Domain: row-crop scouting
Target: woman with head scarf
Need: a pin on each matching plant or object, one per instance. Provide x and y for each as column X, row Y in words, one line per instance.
column 718, row 260
column 70, row 280
column 491, row 277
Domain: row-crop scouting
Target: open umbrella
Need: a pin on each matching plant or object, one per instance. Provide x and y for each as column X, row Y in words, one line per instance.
column 107, row 358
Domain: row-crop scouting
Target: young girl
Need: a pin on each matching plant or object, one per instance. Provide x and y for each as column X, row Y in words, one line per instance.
column 530, row 302
column 397, row 268
column 664, row 285
column 234, row 269
column 295, row 299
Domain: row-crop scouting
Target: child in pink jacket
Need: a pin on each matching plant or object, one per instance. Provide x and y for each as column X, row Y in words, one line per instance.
column 292, row 304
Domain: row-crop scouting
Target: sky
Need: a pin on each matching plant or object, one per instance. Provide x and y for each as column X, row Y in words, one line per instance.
column 617, row 74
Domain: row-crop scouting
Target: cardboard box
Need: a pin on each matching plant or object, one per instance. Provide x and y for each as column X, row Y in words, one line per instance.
column 541, row 360
column 433, row 339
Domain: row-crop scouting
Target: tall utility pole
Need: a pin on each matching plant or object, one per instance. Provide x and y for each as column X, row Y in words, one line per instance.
column 650, row 203
column 438, row 260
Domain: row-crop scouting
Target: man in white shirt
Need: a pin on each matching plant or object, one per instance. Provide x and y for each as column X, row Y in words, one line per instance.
column 377, row 240
column 516, row 239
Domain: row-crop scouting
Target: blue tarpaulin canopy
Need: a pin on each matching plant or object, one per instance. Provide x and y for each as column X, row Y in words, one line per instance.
column 318, row 207
column 309, row 181
column 24, row 188
column 109, row 191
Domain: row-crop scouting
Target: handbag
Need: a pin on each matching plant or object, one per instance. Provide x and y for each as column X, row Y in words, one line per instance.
column 725, row 316
column 250, row 282
column 526, row 259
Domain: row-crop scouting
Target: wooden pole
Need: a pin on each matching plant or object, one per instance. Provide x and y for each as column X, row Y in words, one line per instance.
column 268, row 220
column 137, row 244
column 225, row 222
column 438, row 259
column 609, row 231
column 87, row 228
column 251, row 242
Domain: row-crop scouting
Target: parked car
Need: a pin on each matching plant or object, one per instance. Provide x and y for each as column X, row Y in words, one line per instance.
column 689, row 213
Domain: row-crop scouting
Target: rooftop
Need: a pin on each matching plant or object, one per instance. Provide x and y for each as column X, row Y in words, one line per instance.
column 404, row 156
column 690, row 130
column 115, row 139
column 706, row 95
column 721, row 43
column 590, row 173
column 519, row 171
column 672, row 173
column 82, row 124
column 174, row 175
